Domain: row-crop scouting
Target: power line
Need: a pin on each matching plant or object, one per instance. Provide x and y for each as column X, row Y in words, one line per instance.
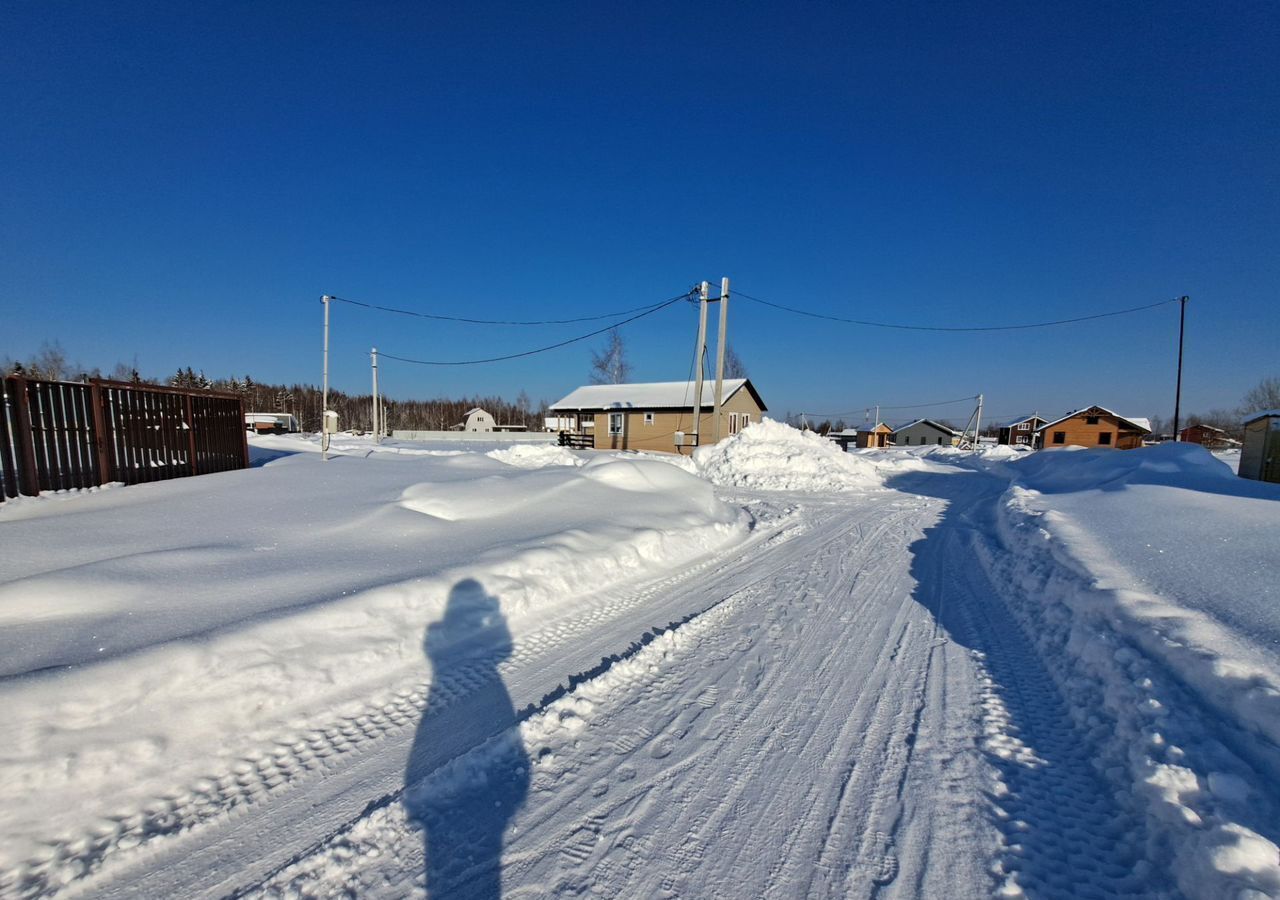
column 814, row 315
column 440, row 318
column 884, row 406
column 649, row 310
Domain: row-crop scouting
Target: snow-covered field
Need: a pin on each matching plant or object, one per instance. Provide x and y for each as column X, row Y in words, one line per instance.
column 775, row 670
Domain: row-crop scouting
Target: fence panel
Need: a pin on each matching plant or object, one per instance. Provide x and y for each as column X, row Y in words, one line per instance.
column 57, row 435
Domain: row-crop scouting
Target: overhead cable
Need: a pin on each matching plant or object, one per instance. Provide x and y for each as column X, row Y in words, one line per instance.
column 813, row 315
column 648, row 310
column 884, row 406
column 440, row 318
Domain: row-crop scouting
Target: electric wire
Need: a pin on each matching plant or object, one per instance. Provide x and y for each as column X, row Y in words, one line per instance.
column 884, row 406
column 649, row 310
column 464, row 320
column 813, row 315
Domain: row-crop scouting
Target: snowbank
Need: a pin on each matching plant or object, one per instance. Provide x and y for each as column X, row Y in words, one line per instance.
column 155, row 632
column 771, row 456
column 535, row 456
column 1149, row 576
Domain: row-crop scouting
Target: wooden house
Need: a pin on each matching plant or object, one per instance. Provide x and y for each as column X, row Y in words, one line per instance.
column 1095, row 426
column 1260, row 455
column 864, row 436
column 1020, row 432
column 655, row 415
column 923, row 432
column 476, row 420
column 1205, row 436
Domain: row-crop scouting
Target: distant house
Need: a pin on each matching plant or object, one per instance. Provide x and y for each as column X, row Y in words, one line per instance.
column 1260, row 455
column 271, row 423
column 1095, row 426
column 925, row 431
column 864, row 436
column 1020, row 432
column 654, row 415
column 475, row 420
column 1205, row 436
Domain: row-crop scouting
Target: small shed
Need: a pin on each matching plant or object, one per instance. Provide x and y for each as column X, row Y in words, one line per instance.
column 923, row 432
column 864, row 436
column 1260, row 455
column 271, row 423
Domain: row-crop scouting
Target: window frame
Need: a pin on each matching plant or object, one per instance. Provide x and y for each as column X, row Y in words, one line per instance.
column 1059, row 437
column 622, row 424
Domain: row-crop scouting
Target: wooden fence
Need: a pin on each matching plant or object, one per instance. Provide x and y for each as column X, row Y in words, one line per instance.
column 57, row 435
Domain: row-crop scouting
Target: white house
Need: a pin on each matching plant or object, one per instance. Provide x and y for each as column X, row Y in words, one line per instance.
column 476, row 420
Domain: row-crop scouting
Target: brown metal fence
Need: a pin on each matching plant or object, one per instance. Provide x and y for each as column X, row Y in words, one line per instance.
column 57, row 435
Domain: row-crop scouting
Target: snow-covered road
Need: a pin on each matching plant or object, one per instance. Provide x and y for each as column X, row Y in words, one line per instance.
column 895, row 692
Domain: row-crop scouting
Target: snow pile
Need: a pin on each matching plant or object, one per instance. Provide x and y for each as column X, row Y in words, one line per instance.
column 1149, row 575
column 535, row 456
column 771, row 456
column 150, row 633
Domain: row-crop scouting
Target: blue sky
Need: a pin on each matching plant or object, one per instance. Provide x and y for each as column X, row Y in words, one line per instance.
column 182, row 184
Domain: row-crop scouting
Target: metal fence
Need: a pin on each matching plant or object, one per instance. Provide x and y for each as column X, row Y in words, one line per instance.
column 58, row 435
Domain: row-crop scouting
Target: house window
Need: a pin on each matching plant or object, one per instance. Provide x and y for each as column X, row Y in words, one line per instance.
column 733, row 423
column 1059, row 437
column 648, row 418
column 1024, row 426
column 1104, row 438
column 744, row 419
column 939, row 441
column 1091, row 420
column 615, row 423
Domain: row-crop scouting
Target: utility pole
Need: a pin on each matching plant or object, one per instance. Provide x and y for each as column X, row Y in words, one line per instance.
column 1177, row 397
column 324, row 401
column 977, row 424
column 377, row 433
column 724, row 321
column 702, row 350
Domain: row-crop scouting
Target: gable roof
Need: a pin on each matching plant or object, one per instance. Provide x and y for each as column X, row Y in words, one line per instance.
column 932, row 424
column 651, row 395
column 1205, row 427
column 1264, row 414
column 1018, row 421
column 868, row 428
column 473, row 410
column 1138, row 423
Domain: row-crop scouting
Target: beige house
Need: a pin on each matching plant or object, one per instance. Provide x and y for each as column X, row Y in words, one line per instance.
column 925, row 431
column 1260, row 456
column 653, row 416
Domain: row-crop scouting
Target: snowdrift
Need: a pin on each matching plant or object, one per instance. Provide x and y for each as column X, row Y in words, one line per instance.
column 771, row 456
column 1148, row 577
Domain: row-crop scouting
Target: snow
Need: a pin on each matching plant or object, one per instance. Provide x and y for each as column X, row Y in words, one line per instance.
column 772, row 456
column 771, row 669
column 653, row 395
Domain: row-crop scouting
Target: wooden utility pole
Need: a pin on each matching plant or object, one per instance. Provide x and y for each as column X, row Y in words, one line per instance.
column 1177, row 396
column 702, row 352
column 724, row 322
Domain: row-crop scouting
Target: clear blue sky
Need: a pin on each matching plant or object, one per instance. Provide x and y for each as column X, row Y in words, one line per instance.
column 182, row 182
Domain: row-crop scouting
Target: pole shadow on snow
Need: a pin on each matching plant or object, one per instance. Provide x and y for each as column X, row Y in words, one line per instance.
column 1065, row 833
column 479, row 771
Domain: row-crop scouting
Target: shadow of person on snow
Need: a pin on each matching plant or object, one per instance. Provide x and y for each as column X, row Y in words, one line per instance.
column 465, row 807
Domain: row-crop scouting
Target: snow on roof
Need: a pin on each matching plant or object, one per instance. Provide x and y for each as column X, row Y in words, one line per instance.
column 1142, row 424
column 929, row 422
column 1205, row 427
column 653, row 395
column 1264, row 414
column 867, row 427
column 475, row 410
column 1018, row 421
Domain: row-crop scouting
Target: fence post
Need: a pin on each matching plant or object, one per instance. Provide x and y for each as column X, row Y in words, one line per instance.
column 244, row 433
column 24, row 440
column 100, row 432
column 191, row 435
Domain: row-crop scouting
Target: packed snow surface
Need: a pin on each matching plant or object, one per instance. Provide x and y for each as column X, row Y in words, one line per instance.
column 771, row 456
column 518, row 671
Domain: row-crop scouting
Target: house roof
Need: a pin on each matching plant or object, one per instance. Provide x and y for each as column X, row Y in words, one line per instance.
column 475, row 410
column 1205, row 427
column 932, row 424
column 867, row 428
column 1018, row 421
column 1139, row 423
column 1264, row 414
column 651, row 395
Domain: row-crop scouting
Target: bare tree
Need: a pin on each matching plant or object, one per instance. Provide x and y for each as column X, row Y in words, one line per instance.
column 50, row 362
column 1264, row 395
column 734, row 367
column 611, row 366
